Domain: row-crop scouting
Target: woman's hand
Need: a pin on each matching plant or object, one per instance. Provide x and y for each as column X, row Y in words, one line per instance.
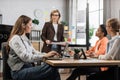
column 71, row 52
column 48, row 41
column 51, row 54
column 88, row 52
column 64, row 43
column 92, row 55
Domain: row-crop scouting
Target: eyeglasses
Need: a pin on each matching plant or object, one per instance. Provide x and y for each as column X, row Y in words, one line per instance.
column 55, row 15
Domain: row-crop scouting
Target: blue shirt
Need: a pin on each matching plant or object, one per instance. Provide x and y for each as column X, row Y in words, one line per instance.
column 113, row 49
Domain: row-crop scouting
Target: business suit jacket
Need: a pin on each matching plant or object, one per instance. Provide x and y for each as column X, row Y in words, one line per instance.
column 48, row 33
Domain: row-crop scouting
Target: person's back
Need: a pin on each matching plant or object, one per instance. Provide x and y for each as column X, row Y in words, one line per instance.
column 113, row 53
column 116, row 56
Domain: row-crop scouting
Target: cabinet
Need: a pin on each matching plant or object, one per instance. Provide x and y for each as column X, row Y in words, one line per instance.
column 35, row 39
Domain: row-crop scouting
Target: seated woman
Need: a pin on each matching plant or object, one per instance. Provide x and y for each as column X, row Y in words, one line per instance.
column 98, row 49
column 112, row 52
column 22, row 53
column 100, row 46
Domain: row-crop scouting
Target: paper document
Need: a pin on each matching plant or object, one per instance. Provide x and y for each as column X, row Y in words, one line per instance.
column 58, row 43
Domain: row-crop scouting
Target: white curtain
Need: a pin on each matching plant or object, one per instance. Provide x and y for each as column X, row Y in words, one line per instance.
column 72, row 12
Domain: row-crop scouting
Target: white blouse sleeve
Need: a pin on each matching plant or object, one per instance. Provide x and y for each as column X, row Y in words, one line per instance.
column 27, row 56
column 113, row 53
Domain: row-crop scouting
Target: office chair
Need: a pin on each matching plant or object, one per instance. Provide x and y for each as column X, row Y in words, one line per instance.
column 6, row 68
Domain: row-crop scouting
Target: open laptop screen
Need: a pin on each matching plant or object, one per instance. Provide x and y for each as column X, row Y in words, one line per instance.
column 66, row 51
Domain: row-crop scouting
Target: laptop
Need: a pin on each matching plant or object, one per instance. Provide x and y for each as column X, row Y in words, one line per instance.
column 64, row 54
column 54, row 58
column 65, row 51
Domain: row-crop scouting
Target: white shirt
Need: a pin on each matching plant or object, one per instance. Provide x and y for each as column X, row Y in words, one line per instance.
column 55, row 28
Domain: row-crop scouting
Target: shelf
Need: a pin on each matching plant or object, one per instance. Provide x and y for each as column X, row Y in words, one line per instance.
column 35, row 38
column 34, row 41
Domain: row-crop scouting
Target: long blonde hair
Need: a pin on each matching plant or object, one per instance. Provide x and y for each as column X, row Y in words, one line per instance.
column 54, row 11
column 114, row 24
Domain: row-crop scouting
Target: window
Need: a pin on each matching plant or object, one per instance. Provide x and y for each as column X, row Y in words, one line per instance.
column 81, row 22
column 95, row 17
column 78, row 17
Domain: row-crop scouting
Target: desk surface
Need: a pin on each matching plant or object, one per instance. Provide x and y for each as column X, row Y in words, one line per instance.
column 82, row 62
column 70, row 63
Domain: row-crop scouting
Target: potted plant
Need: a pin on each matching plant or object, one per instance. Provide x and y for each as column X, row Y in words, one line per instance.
column 76, row 55
column 35, row 21
column 91, row 31
column 64, row 23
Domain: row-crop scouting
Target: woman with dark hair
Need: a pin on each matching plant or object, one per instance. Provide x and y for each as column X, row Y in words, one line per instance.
column 112, row 52
column 22, row 54
column 52, row 32
column 95, row 51
column 100, row 46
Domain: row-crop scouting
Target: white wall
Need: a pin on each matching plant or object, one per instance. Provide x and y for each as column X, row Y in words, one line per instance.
column 112, row 9
column 115, row 8
column 12, row 9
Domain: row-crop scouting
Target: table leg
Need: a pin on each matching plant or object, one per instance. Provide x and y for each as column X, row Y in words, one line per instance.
column 78, row 77
column 116, row 73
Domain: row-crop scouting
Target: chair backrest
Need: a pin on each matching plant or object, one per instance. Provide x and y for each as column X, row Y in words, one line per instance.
column 6, row 68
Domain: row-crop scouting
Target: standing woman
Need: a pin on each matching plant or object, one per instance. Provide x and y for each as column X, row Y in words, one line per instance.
column 52, row 32
column 112, row 52
column 22, row 54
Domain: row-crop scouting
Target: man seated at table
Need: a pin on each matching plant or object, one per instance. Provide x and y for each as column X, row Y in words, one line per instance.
column 98, row 49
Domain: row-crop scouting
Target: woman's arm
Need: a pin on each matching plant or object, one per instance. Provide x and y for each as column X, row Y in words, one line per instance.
column 102, row 47
column 26, row 55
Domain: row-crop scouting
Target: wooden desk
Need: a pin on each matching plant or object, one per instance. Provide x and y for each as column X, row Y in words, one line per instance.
column 71, row 63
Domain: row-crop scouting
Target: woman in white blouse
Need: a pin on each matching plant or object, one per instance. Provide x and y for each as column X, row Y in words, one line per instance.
column 52, row 32
column 112, row 52
column 22, row 54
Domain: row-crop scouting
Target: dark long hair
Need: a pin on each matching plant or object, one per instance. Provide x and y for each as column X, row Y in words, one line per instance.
column 103, row 28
